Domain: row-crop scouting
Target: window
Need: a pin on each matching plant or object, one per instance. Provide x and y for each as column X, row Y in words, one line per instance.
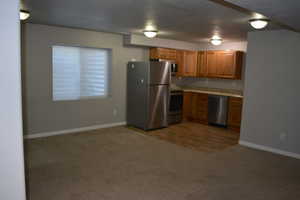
column 80, row 73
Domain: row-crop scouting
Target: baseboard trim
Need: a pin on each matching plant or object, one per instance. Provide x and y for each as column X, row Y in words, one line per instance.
column 269, row 149
column 75, row 130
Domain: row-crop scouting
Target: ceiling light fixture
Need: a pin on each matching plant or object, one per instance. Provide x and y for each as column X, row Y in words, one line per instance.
column 259, row 23
column 150, row 34
column 24, row 14
column 216, row 40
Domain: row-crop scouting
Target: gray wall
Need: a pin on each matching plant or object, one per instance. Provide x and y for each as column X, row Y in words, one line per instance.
column 41, row 113
column 12, row 181
column 271, row 105
column 217, row 83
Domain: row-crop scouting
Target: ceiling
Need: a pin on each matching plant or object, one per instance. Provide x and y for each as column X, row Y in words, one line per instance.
column 189, row 20
column 283, row 11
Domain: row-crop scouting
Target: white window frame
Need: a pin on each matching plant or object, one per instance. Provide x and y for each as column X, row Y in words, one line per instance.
column 108, row 74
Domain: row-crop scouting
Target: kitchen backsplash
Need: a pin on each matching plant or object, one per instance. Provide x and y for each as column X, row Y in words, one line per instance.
column 208, row 83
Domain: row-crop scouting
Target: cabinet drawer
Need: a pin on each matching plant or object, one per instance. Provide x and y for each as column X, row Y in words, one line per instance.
column 235, row 101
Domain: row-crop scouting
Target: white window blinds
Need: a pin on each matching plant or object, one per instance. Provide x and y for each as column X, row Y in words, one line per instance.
column 79, row 72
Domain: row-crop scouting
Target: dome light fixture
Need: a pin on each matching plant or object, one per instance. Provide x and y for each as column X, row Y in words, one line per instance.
column 150, row 33
column 259, row 23
column 24, row 14
column 216, row 40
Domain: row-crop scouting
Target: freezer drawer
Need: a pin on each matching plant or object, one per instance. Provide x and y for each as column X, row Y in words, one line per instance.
column 217, row 110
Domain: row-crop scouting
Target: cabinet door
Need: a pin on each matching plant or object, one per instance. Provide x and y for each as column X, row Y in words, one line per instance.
column 226, row 64
column 163, row 53
column 202, row 67
column 195, row 107
column 187, row 106
column 171, row 54
column 154, row 53
column 211, row 63
column 190, row 63
column 229, row 64
column 180, row 62
column 235, row 113
column 220, row 61
column 202, row 108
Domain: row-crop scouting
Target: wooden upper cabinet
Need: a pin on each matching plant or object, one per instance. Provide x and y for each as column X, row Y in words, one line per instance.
column 202, row 66
column 163, row 53
column 228, row 63
column 224, row 64
column 179, row 62
column 190, row 63
column 211, row 64
column 187, row 63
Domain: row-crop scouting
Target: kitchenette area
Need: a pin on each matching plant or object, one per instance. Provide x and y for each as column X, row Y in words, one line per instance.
column 198, row 95
column 208, row 105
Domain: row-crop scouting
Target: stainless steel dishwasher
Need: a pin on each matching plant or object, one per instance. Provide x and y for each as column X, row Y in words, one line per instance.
column 217, row 110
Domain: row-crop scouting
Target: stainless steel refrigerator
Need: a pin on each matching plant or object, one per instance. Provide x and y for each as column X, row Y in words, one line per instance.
column 148, row 94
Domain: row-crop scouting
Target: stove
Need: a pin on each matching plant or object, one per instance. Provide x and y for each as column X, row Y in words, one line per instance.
column 175, row 107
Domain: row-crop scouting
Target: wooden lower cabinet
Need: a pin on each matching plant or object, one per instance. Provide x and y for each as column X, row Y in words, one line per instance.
column 195, row 107
column 235, row 113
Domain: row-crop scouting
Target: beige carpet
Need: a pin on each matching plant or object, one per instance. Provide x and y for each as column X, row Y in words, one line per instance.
column 118, row 163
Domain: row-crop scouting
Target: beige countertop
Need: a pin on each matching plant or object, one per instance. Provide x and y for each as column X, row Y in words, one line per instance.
column 215, row 91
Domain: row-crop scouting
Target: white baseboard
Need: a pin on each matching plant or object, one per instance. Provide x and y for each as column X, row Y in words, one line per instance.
column 75, row 130
column 269, row 149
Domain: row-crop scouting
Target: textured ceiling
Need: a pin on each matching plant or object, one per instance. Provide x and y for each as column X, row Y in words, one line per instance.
column 189, row 20
column 284, row 11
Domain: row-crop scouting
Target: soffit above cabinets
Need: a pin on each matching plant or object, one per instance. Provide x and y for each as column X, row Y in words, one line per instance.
column 192, row 21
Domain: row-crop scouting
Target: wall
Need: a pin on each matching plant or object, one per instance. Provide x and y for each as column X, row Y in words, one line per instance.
column 12, row 184
column 140, row 40
column 271, row 106
column 44, row 115
column 216, row 83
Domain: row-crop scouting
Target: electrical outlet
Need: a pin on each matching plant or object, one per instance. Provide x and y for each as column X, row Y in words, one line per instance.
column 115, row 112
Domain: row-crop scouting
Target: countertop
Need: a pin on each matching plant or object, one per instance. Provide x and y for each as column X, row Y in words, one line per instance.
column 215, row 91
